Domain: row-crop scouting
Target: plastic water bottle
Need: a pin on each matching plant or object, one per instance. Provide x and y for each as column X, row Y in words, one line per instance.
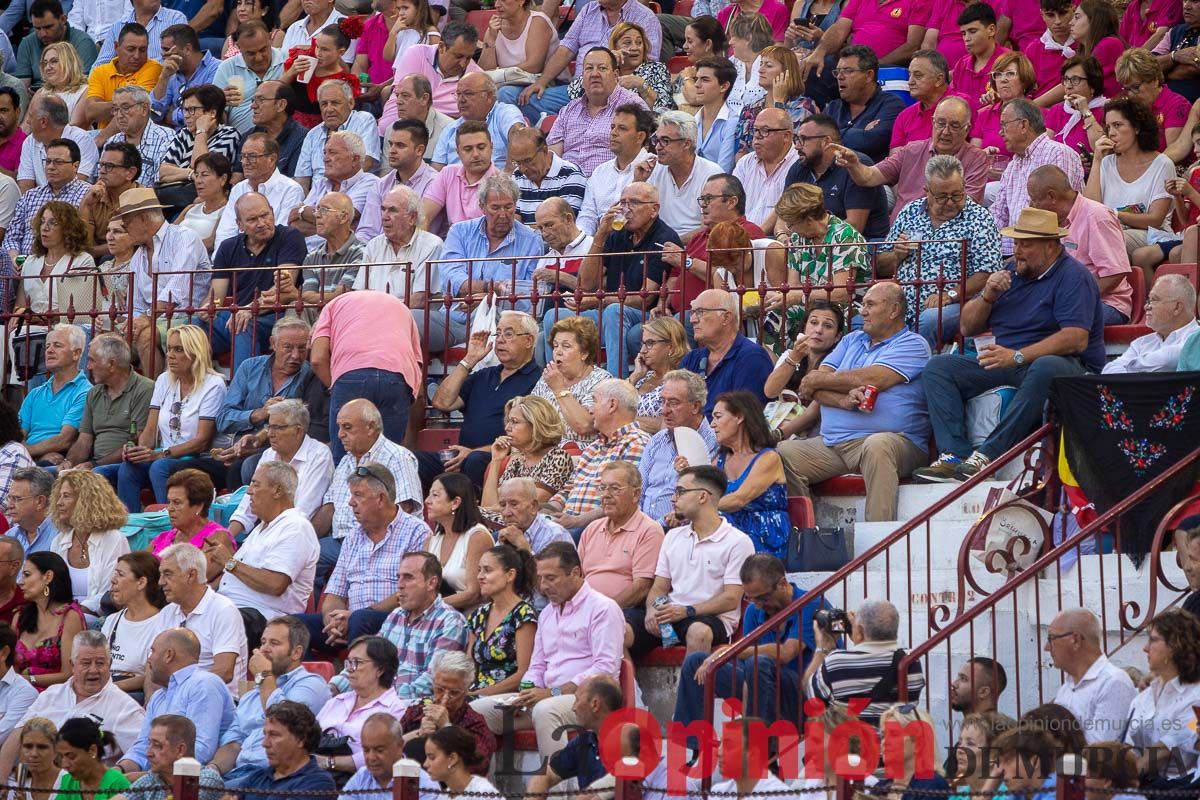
column 669, row 637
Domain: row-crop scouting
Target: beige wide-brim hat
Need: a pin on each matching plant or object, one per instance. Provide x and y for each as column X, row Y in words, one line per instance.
column 135, row 200
column 1034, row 223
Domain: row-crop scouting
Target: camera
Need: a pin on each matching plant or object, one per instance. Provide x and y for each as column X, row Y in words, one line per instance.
column 834, row 621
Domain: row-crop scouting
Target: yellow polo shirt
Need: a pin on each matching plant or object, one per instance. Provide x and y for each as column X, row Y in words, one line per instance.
column 105, row 79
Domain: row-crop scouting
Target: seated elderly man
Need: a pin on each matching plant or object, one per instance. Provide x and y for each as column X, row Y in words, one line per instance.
column 214, row 618
column 399, row 256
column 579, row 636
column 279, row 674
column 884, row 444
column 699, row 568
column 271, row 574
column 119, row 400
column 1171, row 315
column 451, row 197
column 336, row 100
column 259, row 383
column 595, row 699
column 541, row 174
column 904, row 168
column 476, row 97
column 496, row 234
column 335, row 254
column 360, row 430
column 934, row 286
column 131, row 123
column 1095, row 690
column 683, row 397
column 1044, row 312
column 344, row 173
column 566, row 245
column 620, row 438
column 260, row 161
column 52, row 413
column 420, row 625
column 764, row 170
column 620, row 550
column 361, row 591
column 524, row 528
column 383, row 744
column 726, row 358
column 89, row 692
column 453, row 673
column 172, row 737
column 482, row 395
column 287, row 433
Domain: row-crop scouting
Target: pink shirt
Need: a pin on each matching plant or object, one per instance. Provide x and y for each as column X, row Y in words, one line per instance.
column 10, row 151
column 970, row 83
column 1056, row 120
column 1047, row 64
column 1162, row 14
column 370, row 44
column 1107, row 51
column 987, row 131
column 905, row 170
column 340, row 714
column 167, row 538
column 699, row 569
column 613, row 561
column 1026, row 16
column 1095, row 238
column 775, row 12
column 421, row 59
column 944, row 17
column 916, row 122
column 1170, row 111
column 459, row 199
column 356, row 339
column 883, row 26
column 583, row 637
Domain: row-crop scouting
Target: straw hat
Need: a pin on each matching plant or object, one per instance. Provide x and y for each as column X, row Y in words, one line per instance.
column 135, row 200
column 1034, row 223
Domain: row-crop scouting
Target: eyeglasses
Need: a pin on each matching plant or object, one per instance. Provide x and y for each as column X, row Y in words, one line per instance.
column 508, row 334
column 1133, row 88
column 612, row 488
column 321, row 211
column 840, row 71
column 252, row 158
column 16, row 498
column 943, row 124
column 258, row 100
column 352, row 664
column 50, row 222
column 1004, row 123
column 123, row 108
column 665, row 141
column 648, row 343
column 760, row 133
column 702, row 310
column 1000, row 74
column 680, row 491
column 192, row 110
column 58, row 162
column 1073, row 80
column 514, row 421
column 105, row 166
column 1053, row 637
column 705, row 199
column 948, row 197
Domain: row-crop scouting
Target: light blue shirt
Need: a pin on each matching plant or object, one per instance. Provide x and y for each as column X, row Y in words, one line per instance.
column 241, row 117
column 467, row 240
column 16, row 696
column 45, row 412
column 198, row 695
column 162, row 19
column 45, row 534
column 176, row 86
column 363, row 781
column 499, row 122
column 299, row 685
column 250, row 388
column 658, row 471
column 311, row 163
column 900, row 409
column 720, row 145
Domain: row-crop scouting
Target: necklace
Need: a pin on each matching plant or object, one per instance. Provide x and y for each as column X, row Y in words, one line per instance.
column 82, row 545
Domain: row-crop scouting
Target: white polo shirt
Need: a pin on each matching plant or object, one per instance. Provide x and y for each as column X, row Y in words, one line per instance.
column 114, row 710
column 287, row 545
column 679, row 205
column 218, row 625
column 1100, row 700
column 314, row 469
column 700, row 568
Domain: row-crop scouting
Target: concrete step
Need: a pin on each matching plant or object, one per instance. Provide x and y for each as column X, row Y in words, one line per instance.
column 913, row 499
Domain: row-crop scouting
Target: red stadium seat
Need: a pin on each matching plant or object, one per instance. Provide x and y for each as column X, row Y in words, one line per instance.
column 1137, row 278
column 1189, row 271
column 434, row 439
column 322, row 668
column 155, row 507
column 480, row 20
column 841, row 486
column 683, row 8
column 678, row 64
column 1124, row 334
column 547, row 123
column 800, row 513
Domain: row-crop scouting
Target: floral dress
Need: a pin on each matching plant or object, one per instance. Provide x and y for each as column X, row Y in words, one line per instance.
column 45, row 658
column 817, row 266
column 496, row 655
column 799, row 108
column 764, row 519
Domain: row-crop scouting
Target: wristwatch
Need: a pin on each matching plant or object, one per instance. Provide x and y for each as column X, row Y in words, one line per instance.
column 565, row 393
column 952, row 294
column 691, row 612
column 556, row 692
column 1018, row 357
column 230, row 565
column 259, row 678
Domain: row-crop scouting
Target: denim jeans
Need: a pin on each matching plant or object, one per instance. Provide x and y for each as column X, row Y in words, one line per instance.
column 554, row 99
column 363, row 622
column 621, row 329
column 443, row 333
column 927, row 325
column 330, row 549
column 1112, row 316
column 251, row 342
column 730, row 680
column 132, row 478
column 387, row 390
column 952, row 380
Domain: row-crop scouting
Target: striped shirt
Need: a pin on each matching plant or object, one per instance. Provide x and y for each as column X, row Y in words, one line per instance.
column 156, row 140
column 401, row 462
column 225, row 140
column 582, row 492
column 417, row 637
column 366, row 571
column 854, row 673
column 19, row 235
column 564, row 180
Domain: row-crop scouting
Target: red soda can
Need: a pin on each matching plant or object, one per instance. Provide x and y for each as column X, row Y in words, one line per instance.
column 870, row 393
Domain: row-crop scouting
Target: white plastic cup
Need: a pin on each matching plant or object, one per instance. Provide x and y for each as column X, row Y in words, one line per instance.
column 983, row 341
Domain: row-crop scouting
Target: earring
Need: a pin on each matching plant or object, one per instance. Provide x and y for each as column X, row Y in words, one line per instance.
column 46, row 591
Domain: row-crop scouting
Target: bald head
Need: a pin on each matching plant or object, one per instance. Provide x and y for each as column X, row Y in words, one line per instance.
column 717, row 298
column 1049, row 178
column 339, row 202
column 250, row 204
column 477, row 82
column 524, row 136
column 773, row 118
column 640, row 190
column 554, row 206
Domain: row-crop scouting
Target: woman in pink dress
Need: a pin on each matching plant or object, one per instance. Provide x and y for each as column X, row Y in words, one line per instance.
column 47, row 623
column 189, row 497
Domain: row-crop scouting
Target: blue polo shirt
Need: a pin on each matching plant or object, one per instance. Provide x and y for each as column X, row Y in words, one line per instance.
column 900, row 409
column 745, row 366
column 517, row 257
column 499, row 122
column 238, row 265
column 484, row 396
column 45, row 412
column 798, row 626
column 309, row 778
column 1065, row 296
column 580, row 759
column 842, row 194
column 871, row 131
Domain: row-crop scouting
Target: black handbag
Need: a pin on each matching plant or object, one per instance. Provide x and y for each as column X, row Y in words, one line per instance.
column 333, row 745
column 28, row 352
column 816, row 550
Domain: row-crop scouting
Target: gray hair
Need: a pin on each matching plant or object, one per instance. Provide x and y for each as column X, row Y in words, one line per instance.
column 524, row 322
column 368, row 412
column 625, row 396
column 1023, row 109
column 352, row 140
column 498, row 183
column 285, row 323
column 40, row 481
column 75, row 334
column 1179, row 288
column 684, row 122
column 281, row 476
column 189, row 558
column 114, row 347
column 135, row 93
column 89, row 638
column 347, row 92
column 410, row 199
column 394, row 728
column 1083, row 622
column 880, row 620
column 627, row 469
column 455, row 662
column 293, row 411
column 55, row 109
column 697, row 389
column 527, row 486
column 942, row 167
